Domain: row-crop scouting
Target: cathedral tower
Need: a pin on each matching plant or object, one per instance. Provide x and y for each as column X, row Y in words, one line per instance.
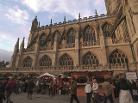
column 33, row 30
column 112, row 6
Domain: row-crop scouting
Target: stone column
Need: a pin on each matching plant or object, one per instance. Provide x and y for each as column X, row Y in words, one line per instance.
column 103, row 47
column 35, row 63
column 55, row 48
column 77, row 52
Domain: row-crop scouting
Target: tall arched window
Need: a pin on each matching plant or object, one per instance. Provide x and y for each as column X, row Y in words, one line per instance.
column 89, row 37
column 65, row 60
column 27, row 62
column 117, row 57
column 90, row 59
column 107, row 29
column 45, row 61
column 42, row 39
column 71, row 38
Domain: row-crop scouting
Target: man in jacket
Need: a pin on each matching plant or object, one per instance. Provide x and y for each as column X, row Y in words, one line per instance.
column 74, row 90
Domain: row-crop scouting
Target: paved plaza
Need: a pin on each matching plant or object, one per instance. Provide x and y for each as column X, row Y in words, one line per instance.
column 22, row 98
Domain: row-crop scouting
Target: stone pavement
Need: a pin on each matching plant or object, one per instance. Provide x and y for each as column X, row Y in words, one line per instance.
column 22, row 98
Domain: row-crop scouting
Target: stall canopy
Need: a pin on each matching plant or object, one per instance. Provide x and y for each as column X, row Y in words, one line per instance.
column 46, row 74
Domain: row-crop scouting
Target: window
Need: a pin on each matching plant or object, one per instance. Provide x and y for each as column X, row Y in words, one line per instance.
column 27, row 62
column 42, row 39
column 71, row 38
column 89, row 59
column 117, row 57
column 89, row 37
column 45, row 61
column 107, row 29
column 65, row 60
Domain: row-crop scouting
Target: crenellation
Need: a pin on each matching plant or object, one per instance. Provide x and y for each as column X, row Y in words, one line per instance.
column 75, row 21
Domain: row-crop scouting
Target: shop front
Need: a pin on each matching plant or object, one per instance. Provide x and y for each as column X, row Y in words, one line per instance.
column 83, row 76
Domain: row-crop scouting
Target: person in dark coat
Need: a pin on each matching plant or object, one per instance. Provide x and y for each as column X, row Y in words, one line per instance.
column 74, row 91
column 125, row 94
column 30, row 87
column 10, row 87
column 2, row 91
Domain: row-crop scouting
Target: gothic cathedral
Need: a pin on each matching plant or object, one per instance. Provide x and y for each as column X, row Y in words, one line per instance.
column 99, row 42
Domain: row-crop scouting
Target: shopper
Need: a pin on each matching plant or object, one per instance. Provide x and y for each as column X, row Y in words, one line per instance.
column 88, row 91
column 74, row 91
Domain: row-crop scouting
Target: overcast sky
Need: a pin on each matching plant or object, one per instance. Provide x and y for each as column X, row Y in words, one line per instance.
column 16, row 15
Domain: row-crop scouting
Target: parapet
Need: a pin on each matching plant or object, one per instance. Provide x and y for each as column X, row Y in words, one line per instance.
column 90, row 18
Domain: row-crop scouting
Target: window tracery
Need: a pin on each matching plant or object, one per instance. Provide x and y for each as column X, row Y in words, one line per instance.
column 89, row 59
column 107, row 29
column 42, row 39
column 70, row 38
column 89, row 37
column 45, row 61
column 27, row 62
column 117, row 57
column 65, row 60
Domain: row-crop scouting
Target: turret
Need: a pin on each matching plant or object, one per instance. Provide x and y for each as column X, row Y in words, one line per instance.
column 16, row 48
column 96, row 13
column 34, row 25
column 64, row 19
column 51, row 22
column 79, row 17
column 34, row 29
column 22, row 45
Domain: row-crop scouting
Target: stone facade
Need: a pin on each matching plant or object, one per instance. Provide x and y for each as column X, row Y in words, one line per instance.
column 100, row 42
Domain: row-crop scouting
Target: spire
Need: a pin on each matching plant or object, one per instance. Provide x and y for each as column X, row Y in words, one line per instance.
column 16, row 48
column 64, row 19
column 34, row 24
column 51, row 22
column 79, row 16
column 22, row 45
column 35, row 20
column 39, row 24
column 96, row 13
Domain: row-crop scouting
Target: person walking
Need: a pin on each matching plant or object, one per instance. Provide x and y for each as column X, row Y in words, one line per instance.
column 74, row 91
column 88, row 91
column 108, row 91
column 125, row 87
column 10, row 87
column 95, row 87
column 30, row 87
column 2, row 90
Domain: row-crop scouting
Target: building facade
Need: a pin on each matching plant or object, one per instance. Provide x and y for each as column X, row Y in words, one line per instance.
column 100, row 42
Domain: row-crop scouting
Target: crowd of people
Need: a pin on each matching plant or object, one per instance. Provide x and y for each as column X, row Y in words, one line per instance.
column 30, row 85
column 119, row 89
column 96, row 92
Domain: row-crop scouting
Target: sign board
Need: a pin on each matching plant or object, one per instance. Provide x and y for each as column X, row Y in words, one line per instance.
column 131, row 75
